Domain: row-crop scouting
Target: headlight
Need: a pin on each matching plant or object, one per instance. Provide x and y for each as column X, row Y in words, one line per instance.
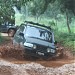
column 34, row 46
column 48, row 50
column 52, row 51
column 28, row 44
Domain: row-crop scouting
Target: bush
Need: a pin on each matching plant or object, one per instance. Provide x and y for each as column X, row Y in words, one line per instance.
column 66, row 39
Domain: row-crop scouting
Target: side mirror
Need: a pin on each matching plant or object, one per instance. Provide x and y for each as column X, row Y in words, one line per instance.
column 21, row 34
column 55, row 42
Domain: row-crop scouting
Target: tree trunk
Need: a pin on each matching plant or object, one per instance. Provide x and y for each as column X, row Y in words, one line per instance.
column 37, row 18
column 56, row 25
column 26, row 11
column 67, row 19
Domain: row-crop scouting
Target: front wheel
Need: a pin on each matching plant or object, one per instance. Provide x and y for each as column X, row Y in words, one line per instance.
column 11, row 32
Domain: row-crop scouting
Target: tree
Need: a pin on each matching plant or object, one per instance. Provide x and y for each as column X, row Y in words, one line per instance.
column 38, row 7
column 6, row 11
column 68, row 7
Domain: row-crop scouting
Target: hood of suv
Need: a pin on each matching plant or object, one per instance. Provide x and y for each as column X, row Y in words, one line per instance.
column 40, row 42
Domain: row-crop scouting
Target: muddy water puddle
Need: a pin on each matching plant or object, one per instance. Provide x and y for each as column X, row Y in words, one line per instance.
column 49, row 63
column 8, row 53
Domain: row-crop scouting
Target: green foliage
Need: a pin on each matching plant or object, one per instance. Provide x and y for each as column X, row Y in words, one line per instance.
column 6, row 9
column 66, row 36
column 36, row 7
column 66, row 39
column 52, row 23
column 67, row 5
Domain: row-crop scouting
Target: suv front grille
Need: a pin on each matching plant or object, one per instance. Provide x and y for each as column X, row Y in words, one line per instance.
column 41, row 48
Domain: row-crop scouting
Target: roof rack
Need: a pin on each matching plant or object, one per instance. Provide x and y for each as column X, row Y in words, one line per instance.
column 42, row 25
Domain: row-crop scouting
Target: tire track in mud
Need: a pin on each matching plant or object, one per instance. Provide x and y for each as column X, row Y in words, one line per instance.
column 50, row 63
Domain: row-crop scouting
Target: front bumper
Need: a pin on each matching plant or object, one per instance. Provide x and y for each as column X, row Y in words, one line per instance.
column 39, row 51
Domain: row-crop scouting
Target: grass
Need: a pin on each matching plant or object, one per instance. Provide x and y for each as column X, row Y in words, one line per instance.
column 67, row 40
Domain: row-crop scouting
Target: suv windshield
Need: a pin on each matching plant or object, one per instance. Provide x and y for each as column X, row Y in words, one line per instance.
column 38, row 33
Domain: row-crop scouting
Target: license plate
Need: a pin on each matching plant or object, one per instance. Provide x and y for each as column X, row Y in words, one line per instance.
column 40, row 53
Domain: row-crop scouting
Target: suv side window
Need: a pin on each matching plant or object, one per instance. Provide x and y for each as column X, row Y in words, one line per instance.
column 20, row 30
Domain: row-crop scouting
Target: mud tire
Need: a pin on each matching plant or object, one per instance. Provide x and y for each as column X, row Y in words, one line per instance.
column 11, row 32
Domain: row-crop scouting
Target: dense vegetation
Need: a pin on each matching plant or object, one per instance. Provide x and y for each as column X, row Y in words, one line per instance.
column 59, row 14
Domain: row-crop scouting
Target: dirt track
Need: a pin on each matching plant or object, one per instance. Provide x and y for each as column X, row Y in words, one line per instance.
column 8, row 68
column 15, row 56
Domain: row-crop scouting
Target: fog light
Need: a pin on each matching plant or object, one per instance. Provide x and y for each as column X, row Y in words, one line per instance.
column 34, row 46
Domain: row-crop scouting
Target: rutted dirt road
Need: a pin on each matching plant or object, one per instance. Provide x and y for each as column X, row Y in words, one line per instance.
column 7, row 68
column 11, row 56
